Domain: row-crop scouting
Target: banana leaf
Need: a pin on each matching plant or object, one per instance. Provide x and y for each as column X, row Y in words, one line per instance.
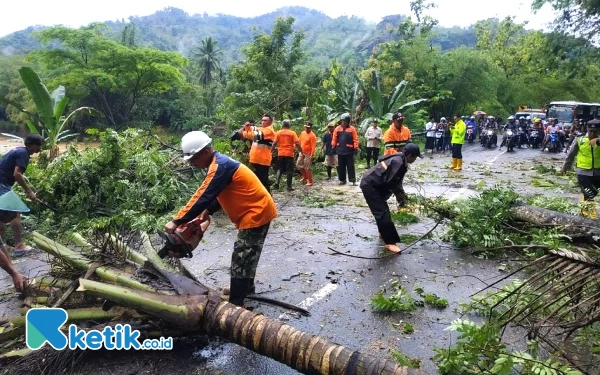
column 39, row 93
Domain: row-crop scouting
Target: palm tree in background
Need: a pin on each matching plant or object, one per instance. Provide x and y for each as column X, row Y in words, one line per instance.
column 207, row 56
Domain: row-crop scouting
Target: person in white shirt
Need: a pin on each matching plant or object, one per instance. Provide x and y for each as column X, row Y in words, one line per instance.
column 374, row 137
column 430, row 128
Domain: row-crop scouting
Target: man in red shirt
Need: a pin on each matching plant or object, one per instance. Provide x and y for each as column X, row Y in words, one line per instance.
column 308, row 142
column 285, row 139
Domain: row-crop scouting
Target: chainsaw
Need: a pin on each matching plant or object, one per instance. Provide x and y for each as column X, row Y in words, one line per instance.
column 184, row 239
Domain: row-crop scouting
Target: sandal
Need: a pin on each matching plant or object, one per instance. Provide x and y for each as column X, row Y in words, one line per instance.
column 23, row 250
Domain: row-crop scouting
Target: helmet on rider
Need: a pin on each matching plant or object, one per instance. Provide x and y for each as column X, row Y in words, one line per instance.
column 537, row 119
column 472, row 117
column 443, row 119
column 521, row 118
column 511, row 118
column 194, row 142
column 528, row 118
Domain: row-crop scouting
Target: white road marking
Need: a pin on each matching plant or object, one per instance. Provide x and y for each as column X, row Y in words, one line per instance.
column 317, row 296
column 496, row 158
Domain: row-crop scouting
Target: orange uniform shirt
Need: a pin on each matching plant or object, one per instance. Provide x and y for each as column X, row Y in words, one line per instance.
column 286, row 142
column 344, row 139
column 236, row 189
column 394, row 139
column 308, row 142
column 262, row 138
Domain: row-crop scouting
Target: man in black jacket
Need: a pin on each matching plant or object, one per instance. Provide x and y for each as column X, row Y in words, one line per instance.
column 378, row 185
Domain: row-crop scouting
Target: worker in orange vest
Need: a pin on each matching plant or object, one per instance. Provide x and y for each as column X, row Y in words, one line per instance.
column 262, row 138
column 345, row 142
column 397, row 136
column 308, row 143
column 285, row 140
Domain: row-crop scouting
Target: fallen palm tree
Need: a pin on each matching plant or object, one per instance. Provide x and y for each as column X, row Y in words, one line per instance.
column 191, row 308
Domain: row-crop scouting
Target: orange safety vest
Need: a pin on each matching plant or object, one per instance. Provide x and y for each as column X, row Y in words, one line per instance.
column 262, row 139
column 395, row 140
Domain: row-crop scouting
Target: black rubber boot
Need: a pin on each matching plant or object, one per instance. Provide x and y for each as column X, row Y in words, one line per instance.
column 329, row 173
column 238, row 290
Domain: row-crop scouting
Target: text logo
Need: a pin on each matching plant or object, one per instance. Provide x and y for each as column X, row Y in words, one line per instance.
column 43, row 325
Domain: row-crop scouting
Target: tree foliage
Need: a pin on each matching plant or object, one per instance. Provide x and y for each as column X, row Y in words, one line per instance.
column 109, row 76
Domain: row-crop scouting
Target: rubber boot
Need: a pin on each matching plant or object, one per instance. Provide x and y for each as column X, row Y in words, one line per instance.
column 309, row 177
column 303, row 173
column 238, row 290
column 453, row 165
column 588, row 209
column 458, row 165
column 329, row 173
column 277, row 178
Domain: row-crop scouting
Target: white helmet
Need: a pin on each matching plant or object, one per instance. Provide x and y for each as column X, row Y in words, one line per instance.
column 443, row 119
column 528, row 118
column 511, row 117
column 194, row 142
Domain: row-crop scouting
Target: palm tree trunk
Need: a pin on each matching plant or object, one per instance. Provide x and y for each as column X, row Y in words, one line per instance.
column 309, row 354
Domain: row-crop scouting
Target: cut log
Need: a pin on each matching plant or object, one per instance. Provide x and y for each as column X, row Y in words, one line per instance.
column 576, row 227
column 309, row 354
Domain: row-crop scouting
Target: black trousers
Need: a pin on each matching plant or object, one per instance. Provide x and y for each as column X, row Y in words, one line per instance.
column 381, row 212
column 262, row 172
column 285, row 165
column 346, row 162
column 589, row 186
column 372, row 154
column 457, row 151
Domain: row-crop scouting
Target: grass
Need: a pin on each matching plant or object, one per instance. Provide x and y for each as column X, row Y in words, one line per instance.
column 408, row 238
column 318, row 201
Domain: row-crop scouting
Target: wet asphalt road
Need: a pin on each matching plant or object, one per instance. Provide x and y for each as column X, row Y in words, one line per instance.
column 297, row 267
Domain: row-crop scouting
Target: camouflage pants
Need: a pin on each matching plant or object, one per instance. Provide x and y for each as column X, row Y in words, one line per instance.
column 246, row 251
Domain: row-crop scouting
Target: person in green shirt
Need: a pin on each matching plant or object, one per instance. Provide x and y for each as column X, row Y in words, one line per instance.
column 458, row 131
column 587, row 151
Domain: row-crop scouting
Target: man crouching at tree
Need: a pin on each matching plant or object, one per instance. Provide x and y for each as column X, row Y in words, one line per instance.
column 19, row 280
column 587, row 151
column 378, row 185
column 232, row 186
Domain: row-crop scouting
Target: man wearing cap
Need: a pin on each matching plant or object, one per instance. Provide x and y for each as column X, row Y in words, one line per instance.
column 397, row 136
column 373, row 136
column 380, row 182
column 12, row 169
column 260, row 153
column 330, row 156
column 232, row 186
column 345, row 142
column 308, row 143
column 587, row 151
column 286, row 139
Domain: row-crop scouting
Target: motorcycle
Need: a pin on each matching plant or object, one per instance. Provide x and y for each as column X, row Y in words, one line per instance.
column 509, row 139
column 489, row 138
column 534, row 138
column 439, row 134
column 522, row 137
column 470, row 133
column 554, row 143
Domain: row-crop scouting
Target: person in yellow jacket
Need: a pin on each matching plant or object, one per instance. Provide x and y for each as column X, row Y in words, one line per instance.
column 458, row 131
column 587, row 151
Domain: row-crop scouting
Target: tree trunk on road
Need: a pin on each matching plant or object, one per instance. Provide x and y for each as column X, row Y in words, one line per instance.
column 576, row 227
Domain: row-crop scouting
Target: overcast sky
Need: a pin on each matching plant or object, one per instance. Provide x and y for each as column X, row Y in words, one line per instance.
column 17, row 15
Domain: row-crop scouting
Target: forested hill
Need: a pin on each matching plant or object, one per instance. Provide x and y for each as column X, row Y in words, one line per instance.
column 173, row 29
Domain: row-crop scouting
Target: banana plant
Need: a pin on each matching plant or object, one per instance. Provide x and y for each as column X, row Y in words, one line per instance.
column 383, row 106
column 49, row 121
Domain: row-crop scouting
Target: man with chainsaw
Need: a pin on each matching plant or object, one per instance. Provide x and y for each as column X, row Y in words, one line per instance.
column 397, row 135
column 378, row 185
column 262, row 138
column 12, row 169
column 232, row 186
column 587, row 151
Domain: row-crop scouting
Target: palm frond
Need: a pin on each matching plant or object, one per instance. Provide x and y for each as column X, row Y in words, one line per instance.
column 563, row 293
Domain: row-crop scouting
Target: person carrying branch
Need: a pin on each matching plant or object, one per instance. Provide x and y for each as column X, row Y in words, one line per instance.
column 378, row 185
column 587, row 151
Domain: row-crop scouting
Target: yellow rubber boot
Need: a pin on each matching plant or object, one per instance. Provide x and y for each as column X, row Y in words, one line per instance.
column 458, row 165
column 453, row 165
column 588, row 210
